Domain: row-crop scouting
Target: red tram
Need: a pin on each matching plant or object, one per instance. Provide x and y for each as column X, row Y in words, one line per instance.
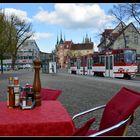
column 111, row 63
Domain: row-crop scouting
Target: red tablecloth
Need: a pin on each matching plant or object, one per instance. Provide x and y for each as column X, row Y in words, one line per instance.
column 50, row 119
column 50, row 94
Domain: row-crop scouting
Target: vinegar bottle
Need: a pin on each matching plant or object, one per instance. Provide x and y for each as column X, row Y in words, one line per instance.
column 11, row 97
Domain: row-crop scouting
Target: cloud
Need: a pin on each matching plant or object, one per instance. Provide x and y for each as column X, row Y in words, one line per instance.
column 41, row 35
column 74, row 16
column 19, row 13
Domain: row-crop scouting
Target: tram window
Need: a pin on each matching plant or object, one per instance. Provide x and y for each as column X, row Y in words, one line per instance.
column 130, row 56
column 68, row 65
column 95, row 60
column 73, row 62
column 116, row 58
column 121, row 57
column 106, row 62
column 102, row 59
column 89, row 62
column 111, row 65
column 78, row 64
column 82, row 61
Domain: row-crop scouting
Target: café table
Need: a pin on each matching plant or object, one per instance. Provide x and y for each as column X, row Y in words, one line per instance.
column 48, row 94
column 49, row 119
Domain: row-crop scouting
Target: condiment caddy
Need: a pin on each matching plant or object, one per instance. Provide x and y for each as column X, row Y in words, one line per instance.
column 18, row 96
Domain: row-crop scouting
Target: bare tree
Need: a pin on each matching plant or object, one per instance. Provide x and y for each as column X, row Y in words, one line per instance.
column 118, row 12
column 5, row 39
column 22, row 33
column 132, row 10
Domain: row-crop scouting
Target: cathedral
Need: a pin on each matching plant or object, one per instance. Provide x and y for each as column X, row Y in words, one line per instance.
column 65, row 49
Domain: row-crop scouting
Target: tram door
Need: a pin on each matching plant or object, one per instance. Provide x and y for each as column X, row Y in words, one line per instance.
column 109, row 66
column 89, row 66
column 78, row 66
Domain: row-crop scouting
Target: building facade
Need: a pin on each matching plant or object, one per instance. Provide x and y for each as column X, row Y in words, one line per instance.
column 62, row 53
column 66, row 49
column 27, row 53
column 126, row 37
column 81, row 49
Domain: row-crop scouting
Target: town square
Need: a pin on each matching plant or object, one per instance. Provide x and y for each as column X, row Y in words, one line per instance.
column 70, row 74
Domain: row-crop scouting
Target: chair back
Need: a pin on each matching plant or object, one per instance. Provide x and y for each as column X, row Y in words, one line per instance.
column 119, row 108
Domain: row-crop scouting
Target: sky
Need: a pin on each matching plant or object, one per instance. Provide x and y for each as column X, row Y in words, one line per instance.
column 73, row 20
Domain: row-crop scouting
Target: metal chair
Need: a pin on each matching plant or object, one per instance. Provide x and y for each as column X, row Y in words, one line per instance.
column 117, row 115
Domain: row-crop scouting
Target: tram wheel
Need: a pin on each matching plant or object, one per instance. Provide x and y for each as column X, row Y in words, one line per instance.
column 95, row 74
column 126, row 76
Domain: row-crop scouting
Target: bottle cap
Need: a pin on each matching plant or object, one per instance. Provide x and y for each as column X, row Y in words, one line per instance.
column 16, row 81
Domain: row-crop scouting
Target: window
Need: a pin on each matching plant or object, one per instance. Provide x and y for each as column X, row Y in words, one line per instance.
column 101, row 59
column 121, row 56
column 30, row 57
column 116, row 58
column 78, row 64
column 130, row 56
column 89, row 62
column 136, row 39
column 127, row 39
column 95, row 60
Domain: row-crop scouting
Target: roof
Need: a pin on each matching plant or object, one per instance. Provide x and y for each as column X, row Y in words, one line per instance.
column 67, row 42
column 82, row 46
column 125, row 29
column 119, row 27
column 107, row 31
column 115, row 35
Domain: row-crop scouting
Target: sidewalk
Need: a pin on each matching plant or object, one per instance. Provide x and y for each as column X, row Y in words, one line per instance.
column 79, row 93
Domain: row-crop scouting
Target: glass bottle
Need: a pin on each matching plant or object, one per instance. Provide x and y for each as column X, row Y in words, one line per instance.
column 10, row 93
column 16, row 81
column 10, row 96
column 24, row 101
column 29, row 101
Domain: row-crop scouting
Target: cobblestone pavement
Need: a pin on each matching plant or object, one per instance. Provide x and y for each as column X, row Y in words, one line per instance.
column 79, row 93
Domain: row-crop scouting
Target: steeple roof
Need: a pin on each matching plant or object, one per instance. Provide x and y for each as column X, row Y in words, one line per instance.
column 61, row 40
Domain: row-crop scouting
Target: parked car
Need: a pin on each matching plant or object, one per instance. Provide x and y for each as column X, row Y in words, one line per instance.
column 27, row 66
column 5, row 68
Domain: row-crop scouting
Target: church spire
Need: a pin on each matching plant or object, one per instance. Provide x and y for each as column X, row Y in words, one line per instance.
column 61, row 35
column 90, row 40
column 64, row 38
column 83, row 40
column 86, row 38
column 61, row 40
column 57, row 40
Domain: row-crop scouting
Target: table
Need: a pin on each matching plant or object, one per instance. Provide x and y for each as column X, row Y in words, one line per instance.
column 49, row 119
column 50, row 94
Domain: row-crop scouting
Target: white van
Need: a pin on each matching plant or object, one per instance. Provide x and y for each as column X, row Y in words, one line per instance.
column 27, row 66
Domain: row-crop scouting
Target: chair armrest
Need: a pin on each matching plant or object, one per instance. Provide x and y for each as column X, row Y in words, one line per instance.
column 88, row 111
column 111, row 128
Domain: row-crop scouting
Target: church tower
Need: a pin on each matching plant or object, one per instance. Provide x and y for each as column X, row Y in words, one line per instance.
column 61, row 40
column 86, row 39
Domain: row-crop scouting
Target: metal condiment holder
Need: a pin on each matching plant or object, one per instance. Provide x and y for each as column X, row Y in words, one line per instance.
column 27, row 99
